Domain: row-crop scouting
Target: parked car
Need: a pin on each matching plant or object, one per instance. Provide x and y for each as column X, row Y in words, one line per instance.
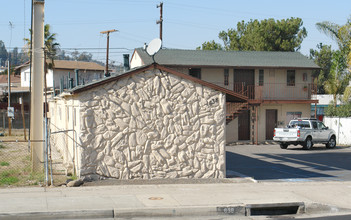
column 305, row 132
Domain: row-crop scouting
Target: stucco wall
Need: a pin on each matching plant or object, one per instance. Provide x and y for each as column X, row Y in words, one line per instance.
column 136, row 61
column 342, row 128
column 282, row 110
column 232, row 131
column 64, row 130
column 152, row 125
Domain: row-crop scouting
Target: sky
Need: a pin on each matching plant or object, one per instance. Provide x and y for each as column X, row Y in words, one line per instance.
column 186, row 23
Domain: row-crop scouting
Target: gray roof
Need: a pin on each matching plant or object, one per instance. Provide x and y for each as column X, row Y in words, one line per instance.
column 272, row 59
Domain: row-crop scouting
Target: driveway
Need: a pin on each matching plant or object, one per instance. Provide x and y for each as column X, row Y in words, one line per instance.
column 270, row 163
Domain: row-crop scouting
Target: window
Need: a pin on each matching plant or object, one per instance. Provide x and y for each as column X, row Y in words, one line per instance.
column 292, row 115
column 260, row 77
column 195, row 72
column 290, row 78
column 301, row 124
column 314, row 124
column 321, row 125
column 226, row 77
column 304, row 77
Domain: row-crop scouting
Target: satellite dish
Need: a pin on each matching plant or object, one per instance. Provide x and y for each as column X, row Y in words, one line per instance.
column 154, row 46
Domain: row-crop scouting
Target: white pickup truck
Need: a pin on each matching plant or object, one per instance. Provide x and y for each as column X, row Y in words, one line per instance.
column 305, row 132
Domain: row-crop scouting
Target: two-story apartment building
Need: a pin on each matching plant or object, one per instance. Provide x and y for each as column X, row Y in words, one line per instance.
column 278, row 86
column 62, row 70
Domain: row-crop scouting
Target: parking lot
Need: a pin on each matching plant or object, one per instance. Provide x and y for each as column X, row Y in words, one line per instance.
column 270, row 163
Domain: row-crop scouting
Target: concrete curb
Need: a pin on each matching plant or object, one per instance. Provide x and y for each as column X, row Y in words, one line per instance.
column 237, row 210
column 188, row 211
column 81, row 214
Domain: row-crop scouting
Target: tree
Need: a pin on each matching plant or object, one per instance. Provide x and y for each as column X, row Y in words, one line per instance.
column 265, row 35
column 210, row 45
column 50, row 43
column 337, row 80
column 3, row 53
column 323, row 58
column 341, row 34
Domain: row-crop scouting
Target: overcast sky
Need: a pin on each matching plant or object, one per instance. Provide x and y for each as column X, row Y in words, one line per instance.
column 187, row 23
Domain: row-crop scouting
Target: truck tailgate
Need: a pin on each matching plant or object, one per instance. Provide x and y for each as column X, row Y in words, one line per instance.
column 286, row 132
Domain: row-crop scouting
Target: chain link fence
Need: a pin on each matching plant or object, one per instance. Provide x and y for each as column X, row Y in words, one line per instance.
column 18, row 125
column 15, row 164
column 24, row 163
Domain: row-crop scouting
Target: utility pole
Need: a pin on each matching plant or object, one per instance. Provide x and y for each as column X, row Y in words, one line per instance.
column 107, row 74
column 9, row 96
column 161, row 18
column 37, row 86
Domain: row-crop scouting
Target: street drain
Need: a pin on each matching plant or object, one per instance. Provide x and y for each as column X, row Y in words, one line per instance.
column 155, row 198
column 275, row 209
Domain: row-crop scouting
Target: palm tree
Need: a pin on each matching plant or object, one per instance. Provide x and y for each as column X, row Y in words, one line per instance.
column 337, row 80
column 339, row 75
column 50, row 43
column 341, row 34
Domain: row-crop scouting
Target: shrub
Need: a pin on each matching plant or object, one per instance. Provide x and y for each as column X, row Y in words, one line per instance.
column 339, row 111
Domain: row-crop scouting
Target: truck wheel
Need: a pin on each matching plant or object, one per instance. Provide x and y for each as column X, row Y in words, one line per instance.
column 308, row 143
column 331, row 143
column 283, row 146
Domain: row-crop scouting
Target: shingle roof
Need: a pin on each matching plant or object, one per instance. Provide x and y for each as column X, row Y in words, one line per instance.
column 170, row 57
column 72, row 64
column 69, row 64
column 14, row 79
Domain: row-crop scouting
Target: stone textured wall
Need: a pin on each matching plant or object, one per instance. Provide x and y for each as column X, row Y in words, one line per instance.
column 152, row 125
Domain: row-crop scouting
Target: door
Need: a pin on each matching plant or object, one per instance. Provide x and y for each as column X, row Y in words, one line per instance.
column 244, row 126
column 323, row 132
column 271, row 123
column 244, row 80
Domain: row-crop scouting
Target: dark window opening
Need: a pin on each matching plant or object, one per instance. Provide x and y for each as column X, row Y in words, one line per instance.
column 226, row 77
column 261, row 77
column 291, row 78
column 195, row 72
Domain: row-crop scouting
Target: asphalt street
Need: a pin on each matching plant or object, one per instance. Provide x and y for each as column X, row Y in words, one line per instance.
column 271, row 163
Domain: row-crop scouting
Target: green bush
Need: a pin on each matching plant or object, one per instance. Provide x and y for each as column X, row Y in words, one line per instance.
column 339, row 111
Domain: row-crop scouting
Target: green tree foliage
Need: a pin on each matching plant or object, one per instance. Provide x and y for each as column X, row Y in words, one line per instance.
column 338, row 79
column 339, row 75
column 3, row 53
column 210, row 45
column 50, row 43
column 341, row 34
column 265, row 35
column 323, row 58
column 338, row 111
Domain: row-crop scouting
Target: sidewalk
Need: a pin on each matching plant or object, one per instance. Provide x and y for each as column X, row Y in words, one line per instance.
column 322, row 198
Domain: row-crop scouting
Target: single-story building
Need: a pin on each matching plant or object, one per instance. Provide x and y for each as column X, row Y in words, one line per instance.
column 150, row 122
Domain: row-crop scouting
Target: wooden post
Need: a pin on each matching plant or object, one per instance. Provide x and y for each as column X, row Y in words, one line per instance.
column 10, row 125
column 23, row 119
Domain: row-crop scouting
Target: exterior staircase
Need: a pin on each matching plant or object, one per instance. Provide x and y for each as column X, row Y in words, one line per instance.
column 233, row 109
